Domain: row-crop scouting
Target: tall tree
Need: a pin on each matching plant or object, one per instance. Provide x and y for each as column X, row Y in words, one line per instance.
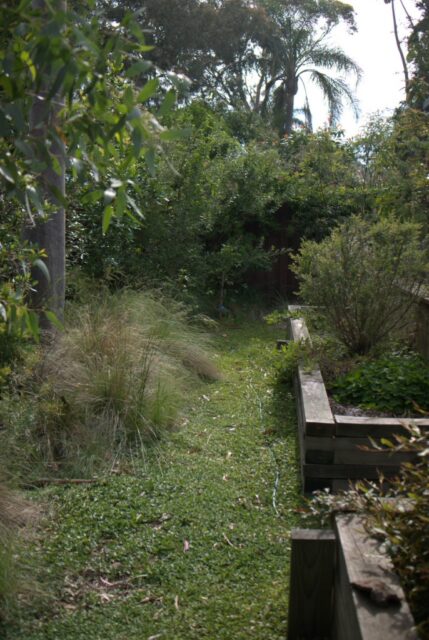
column 418, row 55
column 399, row 45
column 49, row 233
column 297, row 50
column 212, row 42
column 48, row 53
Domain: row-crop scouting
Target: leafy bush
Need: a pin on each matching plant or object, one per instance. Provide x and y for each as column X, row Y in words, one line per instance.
column 17, row 321
column 207, row 212
column 363, row 278
column 116, row 377
column 400, row 517
column 397, row 382
column 287, row 360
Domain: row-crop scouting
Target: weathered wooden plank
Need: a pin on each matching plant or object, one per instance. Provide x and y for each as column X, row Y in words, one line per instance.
column 341, row 484
column 361, row 426
column 343, row 443
column 321, row 443
column 298, row 331
column 361, row 561
column 314, row 456
column 316, row 409
column 311, row 393
column 311, row 584
column 351, row 471
column 372, row 457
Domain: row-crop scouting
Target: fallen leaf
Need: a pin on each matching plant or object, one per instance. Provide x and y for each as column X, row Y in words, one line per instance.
column 228, row 541
column 378, row 591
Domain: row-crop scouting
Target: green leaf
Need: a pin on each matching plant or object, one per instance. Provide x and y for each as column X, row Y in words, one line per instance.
column 25, row 57
column 120, row 202
column 107, row 216
column 117, row 127
column 137, row 139
column 43, row 268
column 6, row 175
column 137, row 68
column 150, row 161
column 32, row 324
column 168, row 103
column 53, row 319
column 148, row 90
column 34, row 197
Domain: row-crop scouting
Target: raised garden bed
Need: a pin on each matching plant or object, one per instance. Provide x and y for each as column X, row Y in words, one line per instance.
column 343, row 587
column 336, row 449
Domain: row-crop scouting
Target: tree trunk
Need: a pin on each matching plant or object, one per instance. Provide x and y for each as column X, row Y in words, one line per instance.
column 399, row 46
column 289, row 108
column 49, row 234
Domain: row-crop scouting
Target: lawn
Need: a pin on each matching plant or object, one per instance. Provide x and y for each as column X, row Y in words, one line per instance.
column 190, row 538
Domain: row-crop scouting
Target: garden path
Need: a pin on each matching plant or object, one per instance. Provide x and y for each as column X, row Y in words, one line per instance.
column 191, row 539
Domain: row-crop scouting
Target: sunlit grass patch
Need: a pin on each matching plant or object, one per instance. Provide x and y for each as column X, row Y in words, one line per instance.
column 194, row 543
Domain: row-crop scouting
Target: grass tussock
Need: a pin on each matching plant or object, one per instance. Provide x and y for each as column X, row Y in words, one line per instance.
column 15, row 515
column 117, row 376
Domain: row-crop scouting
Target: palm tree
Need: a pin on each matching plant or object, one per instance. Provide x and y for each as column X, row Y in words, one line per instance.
column 295, row 53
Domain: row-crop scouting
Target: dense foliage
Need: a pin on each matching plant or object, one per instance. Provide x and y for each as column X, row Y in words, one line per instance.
column 206, row 213
column 397, row 383
column 364, row 278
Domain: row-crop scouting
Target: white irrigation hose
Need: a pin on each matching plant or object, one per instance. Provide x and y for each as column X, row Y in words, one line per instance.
column 277, row 478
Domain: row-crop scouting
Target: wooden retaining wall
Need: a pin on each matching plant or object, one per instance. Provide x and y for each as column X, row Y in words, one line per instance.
column 338, row 449
column 343, row 587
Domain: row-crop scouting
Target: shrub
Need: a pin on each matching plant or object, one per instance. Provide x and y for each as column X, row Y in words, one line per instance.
column 397, row 382
column 363, row 278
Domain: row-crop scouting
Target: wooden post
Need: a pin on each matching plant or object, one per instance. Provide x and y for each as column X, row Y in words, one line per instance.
column 311, row 600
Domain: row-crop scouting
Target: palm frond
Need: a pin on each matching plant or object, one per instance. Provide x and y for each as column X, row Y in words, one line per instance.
column 332, row 58
column 335, row 91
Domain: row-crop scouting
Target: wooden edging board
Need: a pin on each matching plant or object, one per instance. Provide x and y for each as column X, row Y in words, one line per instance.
column 343, row 586
column 334, row 448
column 369, row 601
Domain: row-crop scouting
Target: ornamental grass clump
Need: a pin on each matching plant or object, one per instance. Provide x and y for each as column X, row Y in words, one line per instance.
column 124, row 366
column 364, row 278
column 15, row 514
column 117, row 377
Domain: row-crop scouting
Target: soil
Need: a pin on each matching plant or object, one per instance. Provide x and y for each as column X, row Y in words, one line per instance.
column 349, row 410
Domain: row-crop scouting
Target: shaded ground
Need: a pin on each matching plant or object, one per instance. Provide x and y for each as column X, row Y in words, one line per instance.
column 192, row 540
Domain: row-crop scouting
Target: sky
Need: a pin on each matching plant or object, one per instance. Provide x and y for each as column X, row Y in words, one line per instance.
column 373, row 47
